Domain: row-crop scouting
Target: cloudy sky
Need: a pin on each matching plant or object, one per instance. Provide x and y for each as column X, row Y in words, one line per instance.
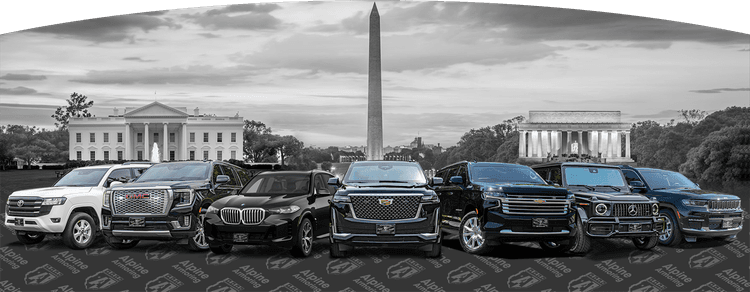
column 301, row 67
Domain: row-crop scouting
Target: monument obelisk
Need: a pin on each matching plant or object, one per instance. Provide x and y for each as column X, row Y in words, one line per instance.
column 374, row 92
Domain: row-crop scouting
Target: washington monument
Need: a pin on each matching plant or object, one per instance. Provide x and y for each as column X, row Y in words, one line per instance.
column 374, row 92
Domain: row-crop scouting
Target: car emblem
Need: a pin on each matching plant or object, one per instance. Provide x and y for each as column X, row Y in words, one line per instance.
column 385, row 202
column 540, row 201
column 632, row 211
column 19, row 203
column 137, row 196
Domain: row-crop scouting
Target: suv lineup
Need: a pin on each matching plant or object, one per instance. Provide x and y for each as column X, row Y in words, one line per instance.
column 690, row 212
column 284, row 208
column 385, row 204
column 605, row 205
column 71, row 207
column 168, row 202
column 485, row 203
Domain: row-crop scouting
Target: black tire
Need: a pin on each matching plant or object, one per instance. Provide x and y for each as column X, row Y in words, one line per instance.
column 221, row 248
column 646, row 242
column 580, row 243
column 674, row 236
column 30, row 237
column 475, row 243
column 304, row 239
column 198, row 241
column 119, row 243
column 336, row 251
column 437, row 251
column 80, row 232
column 555, row 246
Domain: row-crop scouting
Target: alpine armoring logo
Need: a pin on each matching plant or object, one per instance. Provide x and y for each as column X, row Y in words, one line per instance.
column 42, row 275
column 226, row 285
column 647, row 285
column 638, row 257
column 343, row 266
column 525, row 278
column 213, row 259
column 585, row 283
column 163, row 283
column 465, row 274
column 102, row 280
column 161, row 251
column 404, row 269
column 281, row 261
column 706, row 258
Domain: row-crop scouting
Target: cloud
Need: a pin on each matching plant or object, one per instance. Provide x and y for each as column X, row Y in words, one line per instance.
column 745, row 50
column 20, row 90
column 209, row 35
column 651, row 45
column 203, row 75
column 22, row 77
column 137, row 59
column 106, row 29
column 251, row 7
column 665, row 114
column 719, row 90
column 28, row 106
column 241, row 16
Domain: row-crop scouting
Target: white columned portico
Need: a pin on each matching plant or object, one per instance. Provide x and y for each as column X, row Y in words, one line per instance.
column 184, row 141
column 146, row 148
column 605, row 144
column 580, row 143
column 567, row 143
column 627, row 144
column 126, row 140
column 534, row 140
column 165, row 145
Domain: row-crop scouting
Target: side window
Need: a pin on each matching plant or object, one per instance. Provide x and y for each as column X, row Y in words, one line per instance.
column 216, row 172
column 452, row 172
column 544, row 173
column 331, row 189
column 631, row 176
column 555, row 176
column 118, row 174
column 227, row 170
column 244, row 176
column 441, row 174
column 138, row 171
column 320, row 182
column 255, row 186
column 462, row 173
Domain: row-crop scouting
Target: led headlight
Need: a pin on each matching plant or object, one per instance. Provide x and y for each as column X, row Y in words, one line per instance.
column 601, row 209
column 695, row 203
column 655, row 209
column 493, row 195
column 212, row 210
column 431, row 198
column 184, row 197
column 53, row 201
column 341, row 199
column 283, row 210
column 106, row 198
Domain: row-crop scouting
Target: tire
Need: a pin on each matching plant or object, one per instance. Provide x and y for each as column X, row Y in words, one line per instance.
column 555, row 246
column 119, row 243
column 198, row 241
column 672, row 235
column 646, row 243
column 30, row 237
column 336, row 251
column 304, row 239
column 473, row 241
column 437, row 251
column 221, row 248
column 580, row 243
column 80, row 232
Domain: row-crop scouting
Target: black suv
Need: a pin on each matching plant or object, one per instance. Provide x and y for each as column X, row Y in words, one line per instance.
column 284, row 208
column 386, row 204
column 690, row 212
column 486, row 203
column 605, row 204
column 168, row 202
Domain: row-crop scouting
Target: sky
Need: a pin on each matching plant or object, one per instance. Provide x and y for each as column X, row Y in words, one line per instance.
column 301, row 67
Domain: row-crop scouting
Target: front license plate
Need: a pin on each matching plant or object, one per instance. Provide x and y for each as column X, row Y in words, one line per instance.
column 726, row 224
column 385, row 228
column 240, row 237
column 137, row 222
column 634, row 227
column 539, row 222
column 19, row 222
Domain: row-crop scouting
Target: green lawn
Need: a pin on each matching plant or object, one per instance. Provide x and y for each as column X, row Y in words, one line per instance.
column 14, row 180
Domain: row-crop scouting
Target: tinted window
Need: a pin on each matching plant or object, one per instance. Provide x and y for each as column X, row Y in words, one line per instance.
column 544, row 173
column 216, row 172
column 630, row 175
column 138, row 171
column 279, row 183
column 82, row 178
column 555, row 176
column 504, row 173
column 228, row 172
column 594, row 176
column 331, row 189
column 176, row 172
column 462, row 174
column 662, row 179
column 320, row 183
column 244, row 176
column 385, row 172
column 119, row 174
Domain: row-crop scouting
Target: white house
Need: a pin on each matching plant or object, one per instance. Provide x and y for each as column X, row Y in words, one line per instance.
column 180, row 136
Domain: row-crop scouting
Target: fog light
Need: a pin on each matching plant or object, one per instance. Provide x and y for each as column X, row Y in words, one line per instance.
column 106, row 220
column 600, row 229
column 55, row 220
column 185, row 221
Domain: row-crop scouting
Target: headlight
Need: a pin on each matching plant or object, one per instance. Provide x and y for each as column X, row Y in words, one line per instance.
column 341, row 199
column 53, row 201
column 212, row 210
column 655, row 209
column 431, row 198
column 493, row 195
column 106, row 198
column 601, row 209
column 184, row 197
column 283, row 210
column 695, row 203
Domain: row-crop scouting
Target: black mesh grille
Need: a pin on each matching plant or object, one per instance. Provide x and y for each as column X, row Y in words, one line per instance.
column 623, row 210
column 385, row 207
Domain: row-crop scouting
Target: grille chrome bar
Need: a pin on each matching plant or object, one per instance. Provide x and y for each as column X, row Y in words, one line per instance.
column 402, row 206
column 534, row 204
column 253, row 216
column 247, row 216
column 621, row 210
column 723, row 205
column 157, row 203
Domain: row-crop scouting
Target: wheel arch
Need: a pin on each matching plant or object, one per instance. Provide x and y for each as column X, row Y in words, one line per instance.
column 88, row 210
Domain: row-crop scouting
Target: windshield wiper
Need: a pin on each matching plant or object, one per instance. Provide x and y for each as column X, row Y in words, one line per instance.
column 590, row 188
column 613, row 187
column 394, row 181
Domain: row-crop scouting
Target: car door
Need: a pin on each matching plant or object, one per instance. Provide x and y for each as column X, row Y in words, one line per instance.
column 233, row 186
column 463, row 195
column 631, row 175
column 449, row 199
column 321, row 208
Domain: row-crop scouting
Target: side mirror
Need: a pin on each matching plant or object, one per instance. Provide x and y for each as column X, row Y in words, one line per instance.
column 323, row 192
column 437, row 181
column 334, row 181
column 114, row 183
column 637, row 186
column 222, row 179
column 456, row 180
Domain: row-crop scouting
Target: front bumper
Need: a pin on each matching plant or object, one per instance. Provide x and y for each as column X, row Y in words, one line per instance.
column 498, row 226
column 711, row 224
column 41, row 224
column 277, row 230
column 624, row 227
column 168, row 227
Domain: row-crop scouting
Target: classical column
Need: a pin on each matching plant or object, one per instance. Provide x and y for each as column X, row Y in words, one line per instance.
column 627, row 144
column 185, row 135
column 521, row 143
column 540, row 144
column 559, row 143
column 595, row 143
column 534, row 140
column 126, row 155
column 165, row 145
column 567, row 144
column 543, row 145
column 618, row 144
column 580, row 142
column 605, row 144
column 146, row 148
column 551, row 148
column 589, row 144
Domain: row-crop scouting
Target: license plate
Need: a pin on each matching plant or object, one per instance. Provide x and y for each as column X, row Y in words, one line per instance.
column 240, row 237
column 634, row 227
column 539, row 222
column 137, row 222
column 19, row 222
column 385, row 228
column 726, row 224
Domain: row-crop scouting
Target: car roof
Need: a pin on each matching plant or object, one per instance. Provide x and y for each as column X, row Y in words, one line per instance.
column 573, row 164
column 384, row 161
column 481, row 163
column 294, row 172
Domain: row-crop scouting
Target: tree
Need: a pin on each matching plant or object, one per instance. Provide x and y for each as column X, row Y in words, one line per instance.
column 77, row 107
column 693, row 116
column 256, row 142
column 722, row 158
column 326, row 166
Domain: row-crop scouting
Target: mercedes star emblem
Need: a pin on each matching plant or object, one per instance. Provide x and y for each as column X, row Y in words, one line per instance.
column 632, row 211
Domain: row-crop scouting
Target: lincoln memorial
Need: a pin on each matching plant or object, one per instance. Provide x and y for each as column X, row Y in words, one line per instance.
column 594, row 136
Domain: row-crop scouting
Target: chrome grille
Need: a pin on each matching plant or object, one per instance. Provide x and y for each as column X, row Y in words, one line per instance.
column 156, row 204
column 534, row 204
column 369, row 207
column 621, row 210
column 250, row 216
column 31, row 206
column 723, row 205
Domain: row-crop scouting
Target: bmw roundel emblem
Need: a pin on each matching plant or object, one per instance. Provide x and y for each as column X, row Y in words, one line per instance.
column 19, row 203
column 632, row 211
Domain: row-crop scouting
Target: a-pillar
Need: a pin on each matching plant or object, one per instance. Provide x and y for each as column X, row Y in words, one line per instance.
column 127, row 142
column 146, row 148
column 165, row 151
column 184, row 141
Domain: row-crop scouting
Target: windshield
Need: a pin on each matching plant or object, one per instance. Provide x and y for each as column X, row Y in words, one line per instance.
column 594, row 176
column 82, row 178
column 666, row 180
column 278, row 183
column 176, row 172
column 504, row 174
column 385, row 172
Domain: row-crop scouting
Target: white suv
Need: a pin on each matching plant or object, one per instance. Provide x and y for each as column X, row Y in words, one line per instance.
column 72, row 207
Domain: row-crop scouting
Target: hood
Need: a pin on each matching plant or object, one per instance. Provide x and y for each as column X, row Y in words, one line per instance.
column 261, row 201
column 381, row 190
column 194, row 184
column 618, row 196
column 699, row 194
column 52, row 192
column 516, row 188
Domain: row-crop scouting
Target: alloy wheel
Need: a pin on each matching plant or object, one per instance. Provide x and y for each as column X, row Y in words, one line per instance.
column 307, row 236
column 82, row 231
column 200, row 236
column 472, row 236
column 668, row 229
